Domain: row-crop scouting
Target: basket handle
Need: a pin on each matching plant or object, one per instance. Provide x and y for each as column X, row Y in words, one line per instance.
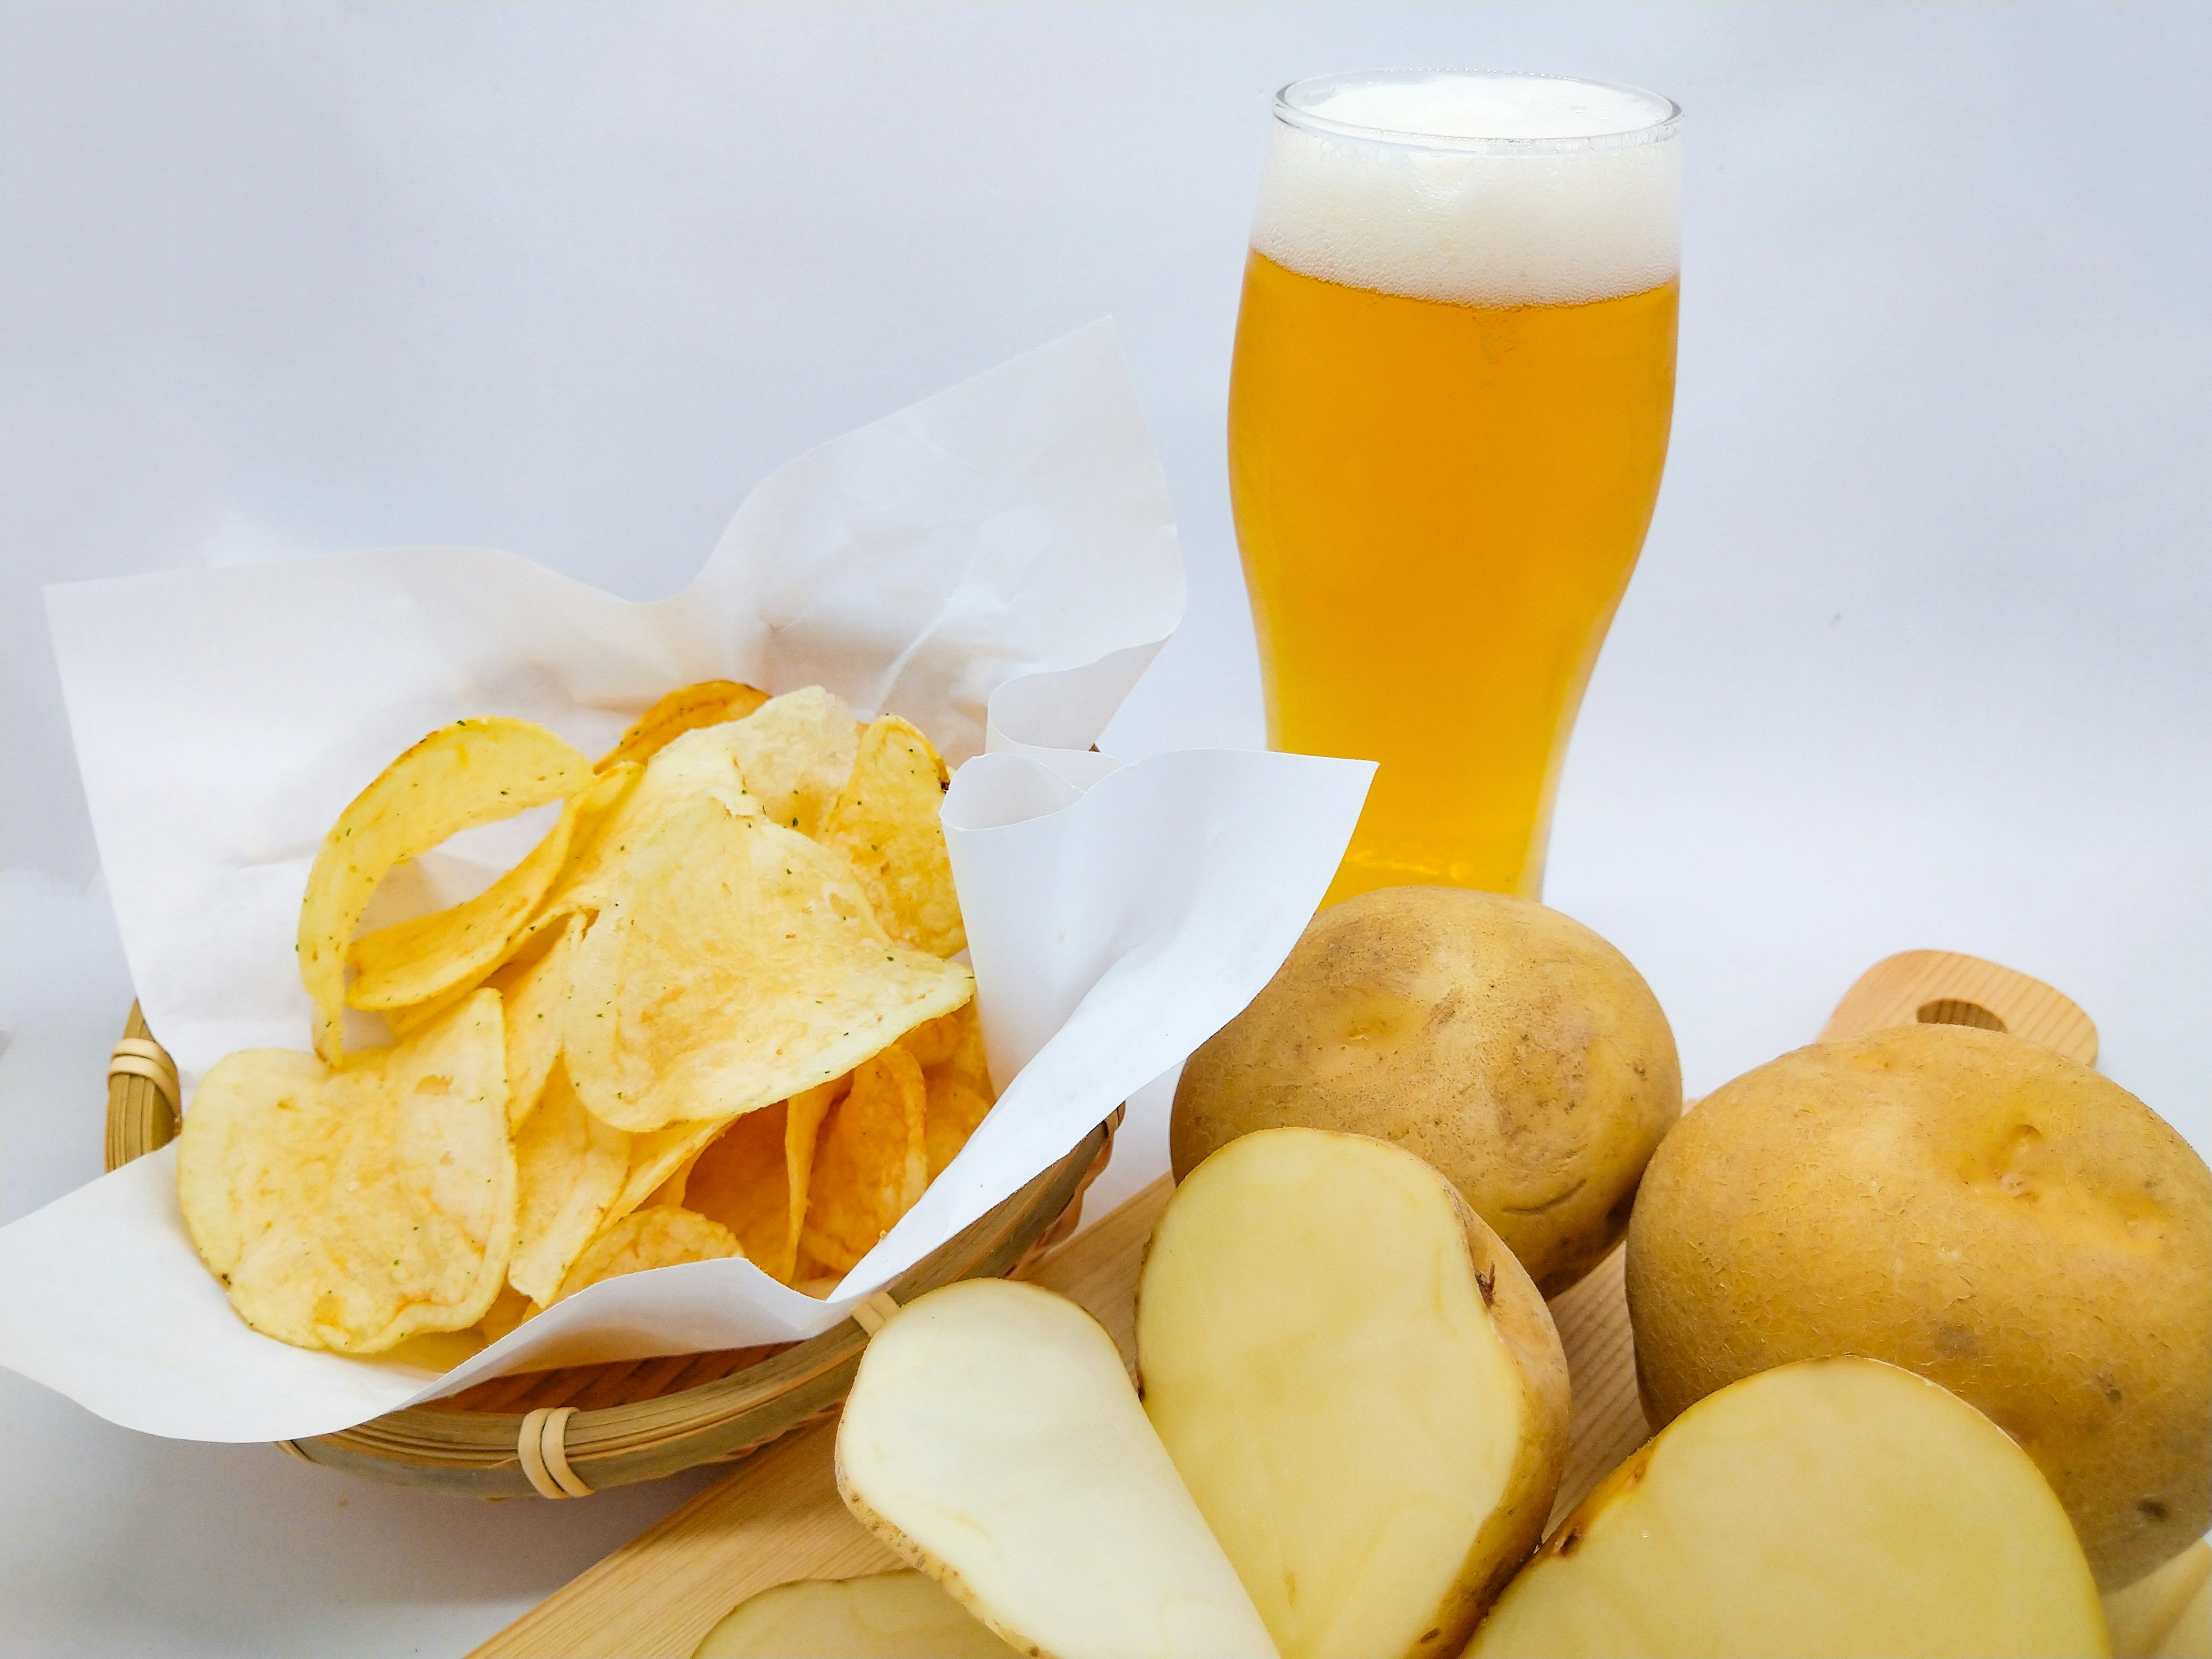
column 143, row 1099
column 1944, row 987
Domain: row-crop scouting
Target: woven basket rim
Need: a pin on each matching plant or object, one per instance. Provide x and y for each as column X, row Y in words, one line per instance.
column 474, row 1450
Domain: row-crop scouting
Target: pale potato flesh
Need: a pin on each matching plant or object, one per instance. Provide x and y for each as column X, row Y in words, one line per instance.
column 2190, row 1637
column 885, row 1615
column 2153, row 1616
column 1361, row 1388
column 1505, row 1043
column 1839, row 1507
column 994, row 1440
column 1977, row 1209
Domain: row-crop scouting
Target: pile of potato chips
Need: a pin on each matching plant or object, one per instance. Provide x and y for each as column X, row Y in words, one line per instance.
column 711, row 1014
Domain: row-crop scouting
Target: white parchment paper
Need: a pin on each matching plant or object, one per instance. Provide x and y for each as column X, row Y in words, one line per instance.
column 997, row 563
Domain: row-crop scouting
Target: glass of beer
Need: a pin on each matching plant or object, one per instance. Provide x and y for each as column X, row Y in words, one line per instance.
column 1453, row 376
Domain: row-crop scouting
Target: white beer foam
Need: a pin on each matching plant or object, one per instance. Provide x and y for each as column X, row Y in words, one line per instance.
column 1475, row 189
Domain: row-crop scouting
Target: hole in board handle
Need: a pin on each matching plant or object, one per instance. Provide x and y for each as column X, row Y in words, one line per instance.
column 1955, row 1011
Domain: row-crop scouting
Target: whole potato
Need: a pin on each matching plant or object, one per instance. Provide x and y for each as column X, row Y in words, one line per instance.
column 1507, row 1044
column 1974, row 1208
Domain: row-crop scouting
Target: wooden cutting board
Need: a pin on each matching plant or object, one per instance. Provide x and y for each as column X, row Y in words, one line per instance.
column 778, row 1516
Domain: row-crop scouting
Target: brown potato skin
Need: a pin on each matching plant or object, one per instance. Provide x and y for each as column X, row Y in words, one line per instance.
column 1976, row 1209
column 1524, row 1324
column 1508, row 1045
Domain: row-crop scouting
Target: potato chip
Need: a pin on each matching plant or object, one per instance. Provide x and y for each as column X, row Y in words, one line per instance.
column 405, row 1022
column 710, row 703
column 671, row 1191
column 695, row 763
column 735, row 964
column 739, row 1180
column 536, row 936
column 532, row 994
column 873, row 1161
column 802, row 1140
column 429, row 955
column 353, row 1209
column 568, row 1171
column 470, row 773
column 886, row 822
column 959, row 1082
column 599, row 817
column 956, row 1106
column 935, row 1042
column 968, row 1058
column 796, row 752
column 753, row 1178
column 508, row 1312
column 661, row 1237
column 656, row 1157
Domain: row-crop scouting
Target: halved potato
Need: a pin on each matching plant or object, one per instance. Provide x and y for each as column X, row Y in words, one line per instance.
column 992, row 1439
column 885, row 1615
column 1360, row 1386
column 1836, row 1507
column 1977, row 1209
column 2165, row 1613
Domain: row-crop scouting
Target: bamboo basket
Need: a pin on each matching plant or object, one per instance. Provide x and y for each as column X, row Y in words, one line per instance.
column 570, row 1433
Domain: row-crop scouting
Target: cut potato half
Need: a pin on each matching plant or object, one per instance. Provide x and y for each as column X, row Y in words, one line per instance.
column 992, row 1439
column 2190, row 1637
column 1836, row 1507
column 2166, row 1613
column 1360, row 1386
column 885, row 1615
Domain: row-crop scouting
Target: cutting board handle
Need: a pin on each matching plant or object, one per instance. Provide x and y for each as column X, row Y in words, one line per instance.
column 1941, row 987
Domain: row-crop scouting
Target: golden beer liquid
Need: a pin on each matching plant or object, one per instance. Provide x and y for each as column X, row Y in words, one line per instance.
column 1439, row 507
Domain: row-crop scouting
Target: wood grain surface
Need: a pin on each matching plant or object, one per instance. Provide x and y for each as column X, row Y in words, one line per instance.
column 777, row 1517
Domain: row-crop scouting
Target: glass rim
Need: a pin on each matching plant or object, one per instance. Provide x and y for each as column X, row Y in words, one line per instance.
column 1288, row 112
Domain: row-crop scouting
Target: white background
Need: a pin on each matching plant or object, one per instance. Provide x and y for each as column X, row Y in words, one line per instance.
column 1917, row 655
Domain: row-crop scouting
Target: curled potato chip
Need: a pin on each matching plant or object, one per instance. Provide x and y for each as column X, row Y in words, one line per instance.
column 569, row 1168
column 531, row 994
column 530, row 942
column 353, row 1209
column 873, row 1161
column 661, row 1236
column 470, row 773
column 702, row 763
column 710, row 703
column 599, row 815
column 886, row 822
column 426, row 956
column 735, row 964
column 405, row 1022
column 796, row 752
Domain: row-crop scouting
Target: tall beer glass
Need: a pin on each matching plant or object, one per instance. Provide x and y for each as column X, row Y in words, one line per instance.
column 1453, row 376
